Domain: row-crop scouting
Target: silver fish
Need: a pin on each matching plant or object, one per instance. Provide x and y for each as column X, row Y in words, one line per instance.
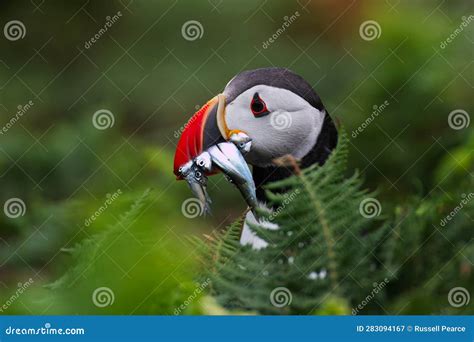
column 227, row 157
column 242, row 141
column 197, row 181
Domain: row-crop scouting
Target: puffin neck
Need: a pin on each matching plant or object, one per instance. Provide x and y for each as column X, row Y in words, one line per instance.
column 326, row 142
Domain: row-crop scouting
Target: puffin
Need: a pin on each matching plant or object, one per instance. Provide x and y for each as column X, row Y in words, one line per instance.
column 262, row 115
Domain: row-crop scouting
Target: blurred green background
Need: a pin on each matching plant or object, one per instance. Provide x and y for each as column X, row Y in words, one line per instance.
column 152, row 79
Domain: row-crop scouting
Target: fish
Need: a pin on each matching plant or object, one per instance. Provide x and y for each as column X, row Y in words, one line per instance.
column 226, row 157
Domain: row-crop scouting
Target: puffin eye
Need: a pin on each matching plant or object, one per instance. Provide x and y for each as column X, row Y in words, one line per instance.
column 258, row 107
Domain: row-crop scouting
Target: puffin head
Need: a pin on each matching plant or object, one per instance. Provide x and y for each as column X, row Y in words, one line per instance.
column 261, row 115
column 277, row 109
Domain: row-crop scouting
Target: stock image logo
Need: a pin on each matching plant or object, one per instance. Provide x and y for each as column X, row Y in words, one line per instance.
column 377, row 110
column 14, row 208
column 21, row 288
column 281, row 120
column 103, row 297
column 458, row 31
column 459, row 119
column 110, row 21
column 192, row 30
column 14, row 30
column 192, row 208
column 370, row 30
column 281, row 297
column 370, row 207
column 103, row 119
column 458, row 297
column 288, row 20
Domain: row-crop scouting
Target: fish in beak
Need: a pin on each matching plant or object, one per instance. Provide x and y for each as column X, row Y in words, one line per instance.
column 207, row 147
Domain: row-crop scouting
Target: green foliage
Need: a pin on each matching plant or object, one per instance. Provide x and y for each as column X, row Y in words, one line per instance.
column 161, row 270
column 322, row 235
column 55, row 160
column 384, row 265
column 220, row 246
column 455, row 163
column 430, row 254
column 88, row 251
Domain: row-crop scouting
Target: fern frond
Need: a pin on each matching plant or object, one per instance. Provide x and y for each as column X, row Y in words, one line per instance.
column 87, row 251
column 321, row 250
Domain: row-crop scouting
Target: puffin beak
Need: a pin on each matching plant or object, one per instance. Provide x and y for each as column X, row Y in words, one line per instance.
column 206, row 147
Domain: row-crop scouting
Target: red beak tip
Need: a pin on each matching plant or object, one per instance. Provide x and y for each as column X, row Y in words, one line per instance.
column 190, row 144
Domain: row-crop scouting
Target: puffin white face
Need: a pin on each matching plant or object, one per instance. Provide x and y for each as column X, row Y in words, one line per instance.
column 278, row 121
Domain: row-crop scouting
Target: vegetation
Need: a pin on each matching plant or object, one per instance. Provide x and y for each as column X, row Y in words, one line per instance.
column 103, row 209
column 332, row 247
